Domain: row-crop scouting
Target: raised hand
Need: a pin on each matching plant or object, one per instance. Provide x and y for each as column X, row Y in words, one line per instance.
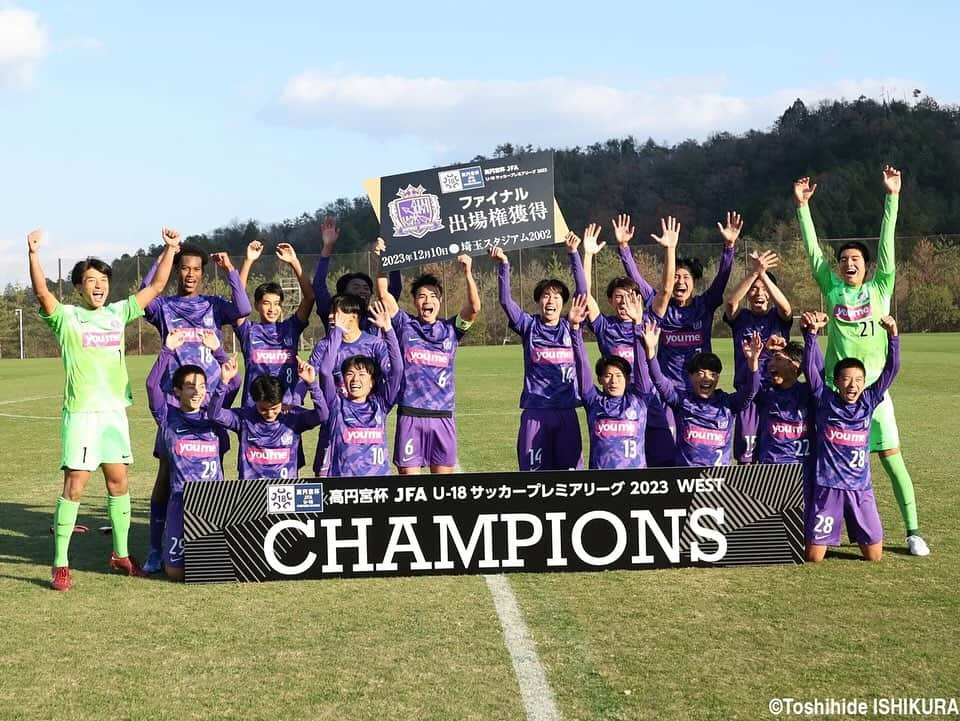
column 776, row 343
column 762, row 262
column 222, row 260
column 669, row 232
column 306, row 371
column 622, row 230
column 170, row 236
column 286, row 253
column 731, row 231
column 329, row 232
column 578, row 310
column 378, row 246
column 33, row 240
column 498, row 255
column 229, row 370
column 176, row 338
column 651, row 337
column 752, row 348
column 254, row 250
column 889, row 324
column 210, row 339
column 572, row 241
column 380, row 315
column 813, row 321
column 803, row 191
column 633, row 304
column 466, row 262
column 891, row 181
column 590, row 237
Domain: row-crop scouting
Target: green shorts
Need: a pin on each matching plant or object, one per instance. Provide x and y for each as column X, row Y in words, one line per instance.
column 90, row 439
column 884, row 433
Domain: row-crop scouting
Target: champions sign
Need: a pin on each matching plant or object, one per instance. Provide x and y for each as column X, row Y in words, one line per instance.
column 490, row 523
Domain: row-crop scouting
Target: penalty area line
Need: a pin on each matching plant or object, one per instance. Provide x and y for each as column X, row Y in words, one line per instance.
column 535, row 691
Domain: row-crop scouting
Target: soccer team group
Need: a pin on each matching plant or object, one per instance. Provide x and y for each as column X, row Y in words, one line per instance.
column 653, row 401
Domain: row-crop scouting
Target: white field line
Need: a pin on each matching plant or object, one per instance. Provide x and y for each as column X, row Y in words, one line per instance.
column 27, row 400
column 535, row 690
column 36, row 418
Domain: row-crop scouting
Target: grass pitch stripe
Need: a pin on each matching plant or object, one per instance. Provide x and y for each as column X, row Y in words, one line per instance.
column 535, row 691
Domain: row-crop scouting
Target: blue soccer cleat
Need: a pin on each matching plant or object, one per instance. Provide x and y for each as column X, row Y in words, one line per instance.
column 154, row 563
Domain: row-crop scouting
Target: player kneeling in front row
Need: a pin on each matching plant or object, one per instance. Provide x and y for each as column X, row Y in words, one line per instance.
column 617, row 413
column 94, row 430
column 188, row 439
column 843, row 489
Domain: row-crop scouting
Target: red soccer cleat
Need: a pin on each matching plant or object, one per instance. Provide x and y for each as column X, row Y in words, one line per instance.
column 127, row 564
column 60, row 579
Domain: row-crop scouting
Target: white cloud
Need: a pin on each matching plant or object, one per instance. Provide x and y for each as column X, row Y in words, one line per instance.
column 23, row 44
column 472, row 115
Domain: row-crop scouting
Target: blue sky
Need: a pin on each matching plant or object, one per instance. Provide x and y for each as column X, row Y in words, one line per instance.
column 118, row 118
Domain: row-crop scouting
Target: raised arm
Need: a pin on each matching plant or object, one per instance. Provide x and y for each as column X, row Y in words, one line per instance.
column 752, row 348
column 891, row 366
column 156, row 398
column 591, row 246
column 471, row 304
column 149, row 293
column 663, row 385
column 325, row 372
column 576, row 315
column 215, row 410
column 640, row 379
column 391, row 390
column 321, row 409
column 328, row 234
column 803, row 190
column 624, row 234
column 254, row 251
column 384, row 284
column 288, row 255
column 514, row 312
column 886, row 263
column 240, row 306
column 730, row 232
column 48, row 301
column 811, row 323
column 669, row 235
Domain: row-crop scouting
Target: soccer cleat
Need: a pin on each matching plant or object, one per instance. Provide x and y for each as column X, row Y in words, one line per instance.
column 76, row 529
column 60, row 578
column 917, row 546
column 154, row 563
column 128, row 564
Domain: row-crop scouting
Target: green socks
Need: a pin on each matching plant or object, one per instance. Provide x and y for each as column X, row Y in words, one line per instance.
column 64, row 519
column 902, row 490
column 118, row 510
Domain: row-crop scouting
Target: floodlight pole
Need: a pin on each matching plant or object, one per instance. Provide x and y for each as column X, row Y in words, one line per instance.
column 19, row 312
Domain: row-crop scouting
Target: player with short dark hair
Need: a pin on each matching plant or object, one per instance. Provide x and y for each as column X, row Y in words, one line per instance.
column 94, row 429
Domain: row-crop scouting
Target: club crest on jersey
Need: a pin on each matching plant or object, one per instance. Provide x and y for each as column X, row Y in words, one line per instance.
column 631, row 414
column 447, row 344
column 415, row 212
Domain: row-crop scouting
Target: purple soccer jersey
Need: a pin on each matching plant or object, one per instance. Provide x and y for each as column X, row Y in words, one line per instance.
column 428, row 354
column 843, row 429
column 358, row 430
column 784, row 434
column 268, row 449
column 189, row 439
column 687, row 330
column 194, row 315
column 270, row 349
column 744, row 325
column 323, row 299
column 616, row 424
column 549, row 371
column 704, row 425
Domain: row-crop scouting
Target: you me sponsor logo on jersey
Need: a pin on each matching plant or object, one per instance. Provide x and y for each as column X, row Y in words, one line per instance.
column 788, row 431
column 194, row 448
column 267, row 456
column 552, row 356
column 271, row 356
column 705, row 436
column 623, row 351
column 363, row 435
column 191, row 335
column 682, row 338
column 610, row 428
column 846, row 437
column 102, row 339
column 427, row 357
column 852, row 313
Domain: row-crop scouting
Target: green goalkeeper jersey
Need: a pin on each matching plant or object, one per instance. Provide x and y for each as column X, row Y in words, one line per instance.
column 854, row 329
column 92, row 347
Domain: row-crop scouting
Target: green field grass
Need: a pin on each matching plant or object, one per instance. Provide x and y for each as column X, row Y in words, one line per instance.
column 676, row 644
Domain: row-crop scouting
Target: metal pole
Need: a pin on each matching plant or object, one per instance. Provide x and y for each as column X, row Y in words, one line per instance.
column 19, row 312
column 60, row 278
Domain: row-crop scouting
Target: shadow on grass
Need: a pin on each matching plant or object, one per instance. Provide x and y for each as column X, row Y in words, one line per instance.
column 25, row 537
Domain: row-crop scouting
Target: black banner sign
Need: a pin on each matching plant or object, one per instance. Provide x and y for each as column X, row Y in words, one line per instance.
column 437, row 214
column 267, row 530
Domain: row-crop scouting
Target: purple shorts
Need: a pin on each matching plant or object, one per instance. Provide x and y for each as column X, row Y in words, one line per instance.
column 173, row 532
column 424, row 442
column 745, row 428
column 549, row 440
column 832, row 506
